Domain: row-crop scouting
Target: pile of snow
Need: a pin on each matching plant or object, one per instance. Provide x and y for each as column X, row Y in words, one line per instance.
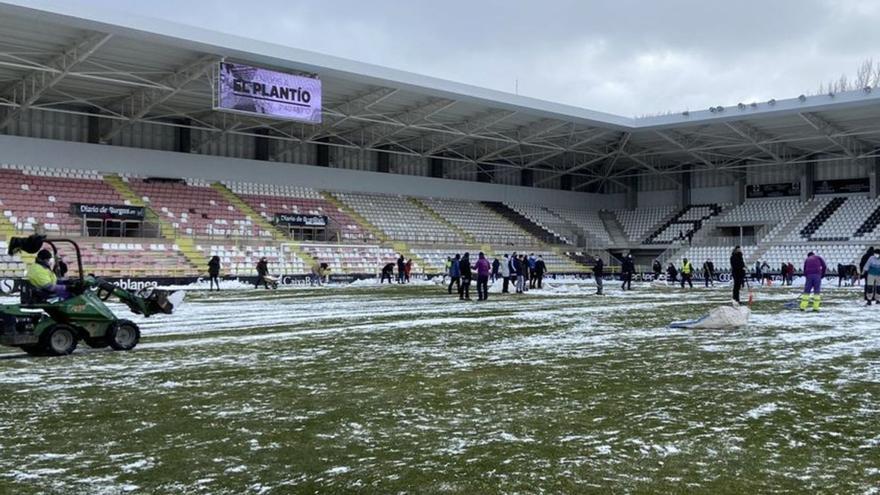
column 722, row 317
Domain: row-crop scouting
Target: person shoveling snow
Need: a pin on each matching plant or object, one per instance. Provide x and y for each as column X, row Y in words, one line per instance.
column 722, row 317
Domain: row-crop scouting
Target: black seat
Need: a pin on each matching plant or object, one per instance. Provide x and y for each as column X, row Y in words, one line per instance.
column 31, row 295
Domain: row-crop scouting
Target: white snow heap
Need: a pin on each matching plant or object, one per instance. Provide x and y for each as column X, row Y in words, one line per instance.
column 722, row 317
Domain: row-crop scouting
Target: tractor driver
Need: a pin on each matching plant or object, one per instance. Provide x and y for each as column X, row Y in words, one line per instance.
column 43, row 279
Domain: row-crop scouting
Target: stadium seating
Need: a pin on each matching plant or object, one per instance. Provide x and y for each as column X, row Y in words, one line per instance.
column 353, row 258
column 844, row 223
column 773, row 212
column 637, row 224
column 10, row 266
column 241, row 260
column 828, row 206
column 400, row 219
column 689, row 219
column 544, row 218
column 270, row 199
column 107, row 257
column 796, row 254
column 484, row 225
column 195, row 209
column 38, row 197
column 588, row 220
column 719, row 255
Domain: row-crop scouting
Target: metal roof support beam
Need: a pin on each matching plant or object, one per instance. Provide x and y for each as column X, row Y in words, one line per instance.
column 375, row 134
column 345, row 110
column 29, row 89
column 853, row 147
column 681, row 142
column 470, row 127
column 778, row 151
column 573, row 146
column 526, row 134
column 137, row 105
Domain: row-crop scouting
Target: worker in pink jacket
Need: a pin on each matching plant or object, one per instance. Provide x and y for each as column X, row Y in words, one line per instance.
column 814, row 270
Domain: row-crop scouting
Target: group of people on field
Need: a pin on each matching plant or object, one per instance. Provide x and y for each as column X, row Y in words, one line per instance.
column 404, row 271
column 524, row 272
column 317, row 275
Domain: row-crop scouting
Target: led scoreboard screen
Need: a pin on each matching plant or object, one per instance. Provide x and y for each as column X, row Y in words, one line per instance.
column 253, row 90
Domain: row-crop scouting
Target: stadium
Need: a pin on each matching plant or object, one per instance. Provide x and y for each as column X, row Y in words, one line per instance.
column 156, row 147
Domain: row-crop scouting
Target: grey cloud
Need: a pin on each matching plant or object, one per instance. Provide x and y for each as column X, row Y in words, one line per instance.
column 628, row 57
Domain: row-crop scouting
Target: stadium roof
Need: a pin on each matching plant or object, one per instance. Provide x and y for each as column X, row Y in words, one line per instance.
column 127, row 69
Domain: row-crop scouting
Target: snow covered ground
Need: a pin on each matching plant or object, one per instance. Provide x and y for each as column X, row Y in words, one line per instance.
column 394, row 389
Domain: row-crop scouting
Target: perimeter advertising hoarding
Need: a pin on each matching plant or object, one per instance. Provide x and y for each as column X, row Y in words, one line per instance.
column 254, row 90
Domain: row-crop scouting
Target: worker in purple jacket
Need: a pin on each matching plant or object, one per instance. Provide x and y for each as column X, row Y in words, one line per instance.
column 814, row 270
column 483, row 269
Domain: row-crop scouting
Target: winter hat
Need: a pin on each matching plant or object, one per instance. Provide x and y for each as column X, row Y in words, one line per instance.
column 44, row 255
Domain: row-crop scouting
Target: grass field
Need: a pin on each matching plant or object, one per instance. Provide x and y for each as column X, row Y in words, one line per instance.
column 407, row 390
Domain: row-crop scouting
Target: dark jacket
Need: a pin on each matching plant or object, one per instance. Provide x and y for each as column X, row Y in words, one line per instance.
column 628, row 266
column 599, row 268
column 515, row 268
column 496, row 265
column 737, row 265
column 865, row 258
column 708, row 268
column 540, row 267
column 388, row 268
column 262, row 268
column 401, row 264
column 464, row 265
column 214, row 267
column 657, row 267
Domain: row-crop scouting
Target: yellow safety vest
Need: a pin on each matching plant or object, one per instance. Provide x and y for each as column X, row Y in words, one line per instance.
column 41, row 277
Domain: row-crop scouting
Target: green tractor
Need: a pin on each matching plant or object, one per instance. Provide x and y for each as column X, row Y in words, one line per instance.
column 43, row 325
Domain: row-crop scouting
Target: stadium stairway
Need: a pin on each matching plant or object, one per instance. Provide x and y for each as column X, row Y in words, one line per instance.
column 693, row 225
column 572, row 262
column 186, row 246
column 7, row 230
column 809, row 209
column 399, row 246
column 243, row 207
column 354, row 215
column 464, row 235
column 614, row 229
column 522, row 222
column 296, row 249
column 404, row 250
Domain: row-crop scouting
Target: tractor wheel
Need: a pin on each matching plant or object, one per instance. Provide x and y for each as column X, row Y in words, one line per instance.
column 59, row 340
column 123, row 335
column 97, row 343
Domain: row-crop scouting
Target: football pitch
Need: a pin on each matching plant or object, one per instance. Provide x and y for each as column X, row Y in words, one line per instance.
column 362, row 389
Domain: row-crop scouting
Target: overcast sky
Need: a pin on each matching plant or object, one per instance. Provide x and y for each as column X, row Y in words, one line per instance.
column 621, row 56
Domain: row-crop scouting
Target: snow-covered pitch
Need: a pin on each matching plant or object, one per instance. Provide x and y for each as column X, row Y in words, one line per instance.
column 393, row 389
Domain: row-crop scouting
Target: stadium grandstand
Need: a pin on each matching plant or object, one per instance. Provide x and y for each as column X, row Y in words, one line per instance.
column 99, row 112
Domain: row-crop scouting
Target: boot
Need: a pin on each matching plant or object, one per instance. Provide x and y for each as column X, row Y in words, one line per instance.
column 805, row 301
column 817, row 301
